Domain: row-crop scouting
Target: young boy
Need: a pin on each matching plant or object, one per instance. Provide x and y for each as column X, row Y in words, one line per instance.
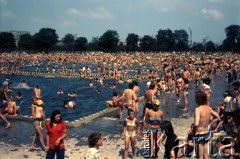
column 94, row 141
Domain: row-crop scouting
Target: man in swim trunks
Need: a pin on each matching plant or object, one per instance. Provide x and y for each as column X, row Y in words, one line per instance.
column 202, row 118
column 130, row 97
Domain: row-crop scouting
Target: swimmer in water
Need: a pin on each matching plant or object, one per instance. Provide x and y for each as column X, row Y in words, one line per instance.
column 60, row 91
column 90, row 83
column 19, row 96
column 23, row 84
column 69, row 104
column 72, row 94
column 113, row 86
column 98, row 91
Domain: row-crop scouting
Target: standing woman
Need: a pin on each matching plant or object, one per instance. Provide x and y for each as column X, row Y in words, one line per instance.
column 56, row 132
column 152, row 124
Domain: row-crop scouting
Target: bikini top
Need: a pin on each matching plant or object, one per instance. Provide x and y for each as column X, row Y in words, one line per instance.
column 131, row 124
column 151, row 119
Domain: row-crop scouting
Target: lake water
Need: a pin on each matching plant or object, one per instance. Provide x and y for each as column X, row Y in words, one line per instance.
column 89, row 102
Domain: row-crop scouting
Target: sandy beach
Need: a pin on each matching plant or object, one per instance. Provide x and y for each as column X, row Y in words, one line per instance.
column 15, row 143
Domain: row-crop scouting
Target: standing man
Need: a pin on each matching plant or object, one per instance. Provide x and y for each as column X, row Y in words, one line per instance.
column 130, row 97
column 3, row 102
column 202, row 118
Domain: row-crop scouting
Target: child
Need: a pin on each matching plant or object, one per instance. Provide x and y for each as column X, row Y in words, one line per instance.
column 172, row 142
column 129, row 132
column 94, row 141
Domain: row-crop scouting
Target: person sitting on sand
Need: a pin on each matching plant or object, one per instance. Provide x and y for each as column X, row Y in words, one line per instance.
column 60, row 91
column 72, row 94
column 94, row 142
column 11, row 108
column 129, row 131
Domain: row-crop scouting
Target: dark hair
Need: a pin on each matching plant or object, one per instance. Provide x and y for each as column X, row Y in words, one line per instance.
column 167, row 127
column 152, row 85
column 201, row 98
column 130, row 85
column 93, row 139
column 135, row 83
column 129, row 111
column 236, row 117
column 207, row 81
column 114, row 93
column 54, row 113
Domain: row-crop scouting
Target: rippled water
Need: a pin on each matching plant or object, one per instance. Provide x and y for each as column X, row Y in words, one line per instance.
column 88, row 101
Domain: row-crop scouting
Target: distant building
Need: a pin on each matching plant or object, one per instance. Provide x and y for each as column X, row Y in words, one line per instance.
column 17, row 35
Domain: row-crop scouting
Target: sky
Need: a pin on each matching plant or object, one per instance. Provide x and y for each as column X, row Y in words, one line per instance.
column 91, row 18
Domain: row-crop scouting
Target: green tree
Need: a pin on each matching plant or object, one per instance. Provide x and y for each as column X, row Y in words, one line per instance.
column 180, row 40
column 232, row 41
column 132, row 42
column 198, row 47
column 45, row 39
column 7, row 41
column 25, row 42
column 81, row 44
column 109, row 40
column 68, row 41
column 93, row 45
column 148, row 43
column 210, row 46
column 165, row 40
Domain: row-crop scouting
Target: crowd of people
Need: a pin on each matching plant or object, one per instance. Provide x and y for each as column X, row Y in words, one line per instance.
column 166, row 73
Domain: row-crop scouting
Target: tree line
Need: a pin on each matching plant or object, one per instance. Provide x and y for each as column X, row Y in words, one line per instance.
column 165, row 40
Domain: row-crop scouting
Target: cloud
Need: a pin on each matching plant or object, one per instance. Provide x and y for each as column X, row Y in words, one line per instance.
column 98, row 13
column 67, row 23
column 164, row 6
column 7, row 14
column 74, row 12
column 3, row 2
column 214, row 1
column 212, row 14
column 40, row 20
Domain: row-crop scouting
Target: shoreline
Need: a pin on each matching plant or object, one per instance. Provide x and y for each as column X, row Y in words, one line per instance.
column 76, row 146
